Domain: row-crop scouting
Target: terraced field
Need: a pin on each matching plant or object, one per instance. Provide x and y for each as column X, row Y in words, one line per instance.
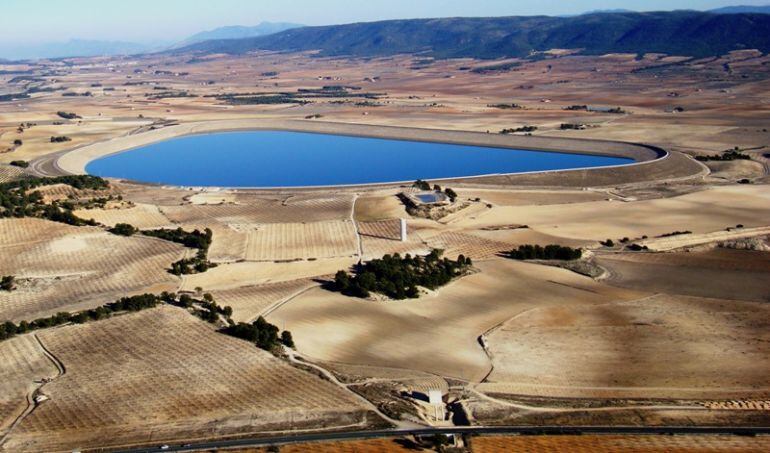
column 202, row 384
column 65, row 268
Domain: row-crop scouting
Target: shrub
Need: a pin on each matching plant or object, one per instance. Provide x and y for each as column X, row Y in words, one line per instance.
column 422, row 185
column 68, row 115
column 8, row 283
column 123, row 229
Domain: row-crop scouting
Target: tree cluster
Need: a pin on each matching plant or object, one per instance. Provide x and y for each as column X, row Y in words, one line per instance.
column 505, row 106
column 19, row 199
column 207, row 309
column 20, row 163
column 261, row 333
column 726, row 156
column 134, row 303
column 200, row 240
column 123, row 229
column 526, row 129
column 570, row 126
column 399, row 278
column 549, row 252
column 68, row 115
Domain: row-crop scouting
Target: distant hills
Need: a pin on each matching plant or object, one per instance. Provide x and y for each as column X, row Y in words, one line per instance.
column 90, row 48
column 690, row 33
column 742, row 9
column 238, row 32
column 72, row 48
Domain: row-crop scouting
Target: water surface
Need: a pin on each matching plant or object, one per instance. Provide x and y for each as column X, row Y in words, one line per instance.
column 294, row 159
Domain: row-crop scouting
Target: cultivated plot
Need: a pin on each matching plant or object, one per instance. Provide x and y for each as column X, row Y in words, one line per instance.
column 23, row 365
column 248, row 302
column 292, row 241
column 142, row 216
column 438, row 333
column 655, row 347
column 164, row 375
column 64, row 268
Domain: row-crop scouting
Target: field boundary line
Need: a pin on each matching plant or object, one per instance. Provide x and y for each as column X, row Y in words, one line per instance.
column 275, row 306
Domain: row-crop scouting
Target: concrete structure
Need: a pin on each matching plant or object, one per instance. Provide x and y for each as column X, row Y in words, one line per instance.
column 403, row 230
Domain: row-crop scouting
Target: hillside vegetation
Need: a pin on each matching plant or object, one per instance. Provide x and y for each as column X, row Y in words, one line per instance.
column 690, row 33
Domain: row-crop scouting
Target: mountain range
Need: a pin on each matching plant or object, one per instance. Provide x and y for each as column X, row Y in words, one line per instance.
column 239, row 32
column 689, row 33
column 89, row 48
column 742, row 9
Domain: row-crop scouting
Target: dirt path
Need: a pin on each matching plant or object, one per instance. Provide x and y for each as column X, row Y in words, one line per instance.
column 32, row 397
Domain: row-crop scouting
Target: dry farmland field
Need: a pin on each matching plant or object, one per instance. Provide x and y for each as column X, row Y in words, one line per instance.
column 64, row 268
column 204, row 384
column 673, row 334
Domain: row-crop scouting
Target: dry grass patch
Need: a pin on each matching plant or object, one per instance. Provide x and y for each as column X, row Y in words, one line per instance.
column 376, row 208
column 656, row 347
column 228, row 276
column 701, row 212
column 720, row 273
column 531, row 197
column 162, row 375
column 439, row 332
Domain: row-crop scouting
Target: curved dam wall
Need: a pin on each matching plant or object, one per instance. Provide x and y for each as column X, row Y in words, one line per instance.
column 650, row 161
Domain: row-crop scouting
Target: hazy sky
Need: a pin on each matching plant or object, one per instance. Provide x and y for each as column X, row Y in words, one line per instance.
column 26, row 21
